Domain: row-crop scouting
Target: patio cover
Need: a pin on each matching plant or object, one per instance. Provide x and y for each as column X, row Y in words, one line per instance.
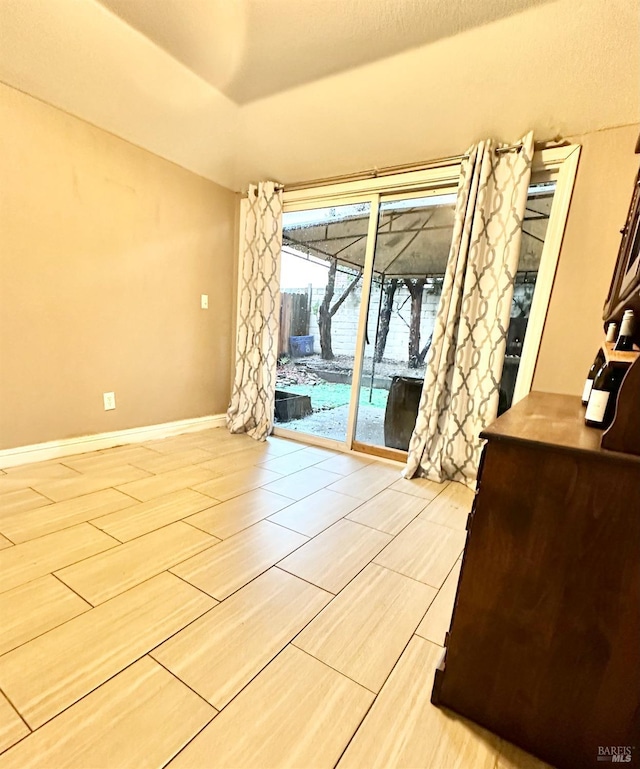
column 412, row 241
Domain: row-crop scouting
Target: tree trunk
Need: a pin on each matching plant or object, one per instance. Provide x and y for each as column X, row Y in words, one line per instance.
column 326, row 311
column 325, row 315
column 324, row 326
column 423, row 353
column 415, row 287
column 385, row 319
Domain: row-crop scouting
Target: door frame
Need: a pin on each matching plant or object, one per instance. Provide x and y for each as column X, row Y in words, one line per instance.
column 558, row 164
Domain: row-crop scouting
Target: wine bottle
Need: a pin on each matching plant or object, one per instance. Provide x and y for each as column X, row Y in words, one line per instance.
column 597, row 365
column 593, row 371
column 602, row 401
column 625, row 339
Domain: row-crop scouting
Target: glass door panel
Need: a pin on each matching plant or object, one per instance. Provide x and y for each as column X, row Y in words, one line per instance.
column 323, row 255
column 412, row 248
column 534, row 230
column 323, row 262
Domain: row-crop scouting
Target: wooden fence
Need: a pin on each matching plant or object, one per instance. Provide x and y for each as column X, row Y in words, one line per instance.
column 295, row 315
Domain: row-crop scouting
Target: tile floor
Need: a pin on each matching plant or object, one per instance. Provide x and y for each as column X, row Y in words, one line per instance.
column 207, row 601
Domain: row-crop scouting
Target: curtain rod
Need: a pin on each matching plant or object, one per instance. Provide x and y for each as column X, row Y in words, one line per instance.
column 376, row 173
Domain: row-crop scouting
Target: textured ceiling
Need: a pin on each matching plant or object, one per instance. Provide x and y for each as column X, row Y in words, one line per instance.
column 367, row 83
column 249, row 49
column 564, row 68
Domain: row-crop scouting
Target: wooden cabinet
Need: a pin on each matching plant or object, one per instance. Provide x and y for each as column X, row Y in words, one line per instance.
column 624, row 292
column 544, row 645
column 624, row 433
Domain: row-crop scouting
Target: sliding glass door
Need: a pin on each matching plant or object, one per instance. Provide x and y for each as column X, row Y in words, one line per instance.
column 412, row 246
column 361, row 277
column 323, row 258
column 534, row 231
column 360, row 284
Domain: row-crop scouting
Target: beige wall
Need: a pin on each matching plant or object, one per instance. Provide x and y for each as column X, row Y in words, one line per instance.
column 104, row 252
column 106, row 248
column 601, row 197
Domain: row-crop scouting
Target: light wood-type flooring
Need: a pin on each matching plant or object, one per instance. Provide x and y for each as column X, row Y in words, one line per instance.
column 209, row 601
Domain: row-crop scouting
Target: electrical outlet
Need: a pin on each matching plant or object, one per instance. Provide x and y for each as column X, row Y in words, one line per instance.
column 204, row 301
column 109, row 401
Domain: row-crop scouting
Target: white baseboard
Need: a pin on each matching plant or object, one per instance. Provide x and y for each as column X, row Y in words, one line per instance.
column 39, row 452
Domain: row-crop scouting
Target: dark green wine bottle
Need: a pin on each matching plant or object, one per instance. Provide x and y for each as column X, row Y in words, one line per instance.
column 597, row 364
column 625, row 339
column 602, row 402
column 593, row 371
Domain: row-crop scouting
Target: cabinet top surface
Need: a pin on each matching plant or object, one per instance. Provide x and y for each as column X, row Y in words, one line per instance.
column 551, row 420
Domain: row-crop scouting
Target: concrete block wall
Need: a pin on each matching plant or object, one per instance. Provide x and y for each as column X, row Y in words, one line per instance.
column 344, row 327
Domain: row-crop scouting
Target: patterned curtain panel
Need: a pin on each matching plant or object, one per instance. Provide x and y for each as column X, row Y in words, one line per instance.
column 464, row 364
column 253, row 394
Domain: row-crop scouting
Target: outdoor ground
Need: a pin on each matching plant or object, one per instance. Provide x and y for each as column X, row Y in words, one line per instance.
column 330, row 400
column 344, row 363
column 333, row 424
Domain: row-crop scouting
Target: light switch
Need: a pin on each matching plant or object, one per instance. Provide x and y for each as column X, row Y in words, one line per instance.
column 204, row 301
